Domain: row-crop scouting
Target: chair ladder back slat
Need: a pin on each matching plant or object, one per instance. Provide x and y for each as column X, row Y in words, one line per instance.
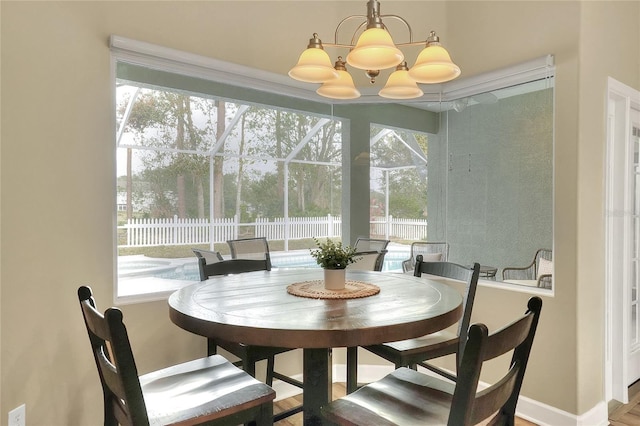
column 96, row 325
column 508, row 338
column 491, row 399
column 233, row 266
column 110, row 375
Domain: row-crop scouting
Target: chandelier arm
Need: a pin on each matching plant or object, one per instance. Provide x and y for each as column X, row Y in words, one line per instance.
column 335, row 36
column 404, row 21
column 411, row 43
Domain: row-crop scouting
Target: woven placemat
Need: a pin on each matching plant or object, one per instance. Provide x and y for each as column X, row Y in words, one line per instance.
column 315, row 290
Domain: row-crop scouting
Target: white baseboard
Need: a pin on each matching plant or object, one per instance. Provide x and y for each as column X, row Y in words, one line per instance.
column 546, row 415
column 528, row 409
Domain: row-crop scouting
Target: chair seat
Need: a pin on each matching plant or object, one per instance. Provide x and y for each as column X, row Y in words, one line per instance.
column 411, row 351
column 408, row 397
column 205, row 389
column 424, row 400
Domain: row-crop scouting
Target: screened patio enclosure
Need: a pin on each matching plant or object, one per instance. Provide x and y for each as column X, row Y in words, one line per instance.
column 242, row 168
column 206, row 155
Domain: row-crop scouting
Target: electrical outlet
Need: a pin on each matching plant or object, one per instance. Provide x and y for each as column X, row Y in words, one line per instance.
column 17, row 416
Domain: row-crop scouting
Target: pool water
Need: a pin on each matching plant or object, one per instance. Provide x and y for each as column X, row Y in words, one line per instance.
column 187, row 269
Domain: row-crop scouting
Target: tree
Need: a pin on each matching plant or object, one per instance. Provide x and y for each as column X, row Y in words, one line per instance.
column 165, row 120
column 407, row 172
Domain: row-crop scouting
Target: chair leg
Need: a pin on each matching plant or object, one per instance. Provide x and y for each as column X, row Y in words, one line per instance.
column 249, row 366
column 270, row 368
column 352, row 369
column 265, row 416
column 212, row 348
column 109, row 415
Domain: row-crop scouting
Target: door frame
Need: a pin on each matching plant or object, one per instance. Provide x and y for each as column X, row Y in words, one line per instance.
column 618, row 246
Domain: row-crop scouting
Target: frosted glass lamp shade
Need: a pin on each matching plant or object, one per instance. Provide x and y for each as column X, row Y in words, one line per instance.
column 434, row 65
column 340, row 88
column 375, row 51
column 401, row 86
column 314, row 66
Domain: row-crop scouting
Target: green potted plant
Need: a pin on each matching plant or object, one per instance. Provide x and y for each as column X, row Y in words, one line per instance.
column 333, row 257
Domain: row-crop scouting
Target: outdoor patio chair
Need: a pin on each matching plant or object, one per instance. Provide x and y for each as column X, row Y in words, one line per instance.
column 414, row 352
column 206, row 257
column 430, row 251
column 250, row 248
column 231, row 266
column 370, row 244
column 408, row 397
column 207, row 390
column 538, row 273
column 368, row 261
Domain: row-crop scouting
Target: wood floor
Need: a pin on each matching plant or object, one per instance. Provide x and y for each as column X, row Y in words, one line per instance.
column 629, row 414
column 625, row 415
column 338, row 391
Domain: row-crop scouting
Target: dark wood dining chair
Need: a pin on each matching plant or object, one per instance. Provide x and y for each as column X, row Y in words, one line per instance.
column 408, row 397
column 414, row 352
column 207, row 390
column 249, row 355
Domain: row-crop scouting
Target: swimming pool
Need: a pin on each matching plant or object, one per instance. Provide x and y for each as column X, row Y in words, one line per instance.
column 187, row 268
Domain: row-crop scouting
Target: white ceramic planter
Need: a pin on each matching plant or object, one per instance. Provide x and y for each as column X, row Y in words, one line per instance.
column 334, row 279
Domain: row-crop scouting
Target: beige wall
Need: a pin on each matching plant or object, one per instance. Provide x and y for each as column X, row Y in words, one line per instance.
column 511, row 32
column 609, row 46
column 58, row 161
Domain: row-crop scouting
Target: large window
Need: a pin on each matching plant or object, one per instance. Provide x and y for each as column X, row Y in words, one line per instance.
column 209, row 151
column 195, row 170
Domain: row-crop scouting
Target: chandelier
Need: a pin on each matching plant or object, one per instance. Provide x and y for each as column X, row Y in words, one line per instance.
column 374, row 51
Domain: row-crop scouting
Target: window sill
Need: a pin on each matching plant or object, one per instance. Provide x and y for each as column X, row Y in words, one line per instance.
column 516, row 287
column 147, row 289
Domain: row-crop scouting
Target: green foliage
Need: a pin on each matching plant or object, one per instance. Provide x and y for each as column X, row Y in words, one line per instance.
column 332, row 255
column 176, row 132
column 407, row 194
column 266, row 195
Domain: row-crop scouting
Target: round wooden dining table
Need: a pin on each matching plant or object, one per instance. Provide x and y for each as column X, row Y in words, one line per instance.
column 255, row 308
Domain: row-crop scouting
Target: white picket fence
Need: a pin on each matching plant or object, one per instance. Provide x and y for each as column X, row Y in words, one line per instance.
column 176, row 231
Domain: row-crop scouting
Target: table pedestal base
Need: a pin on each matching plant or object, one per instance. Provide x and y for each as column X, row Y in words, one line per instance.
column 317, row 381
